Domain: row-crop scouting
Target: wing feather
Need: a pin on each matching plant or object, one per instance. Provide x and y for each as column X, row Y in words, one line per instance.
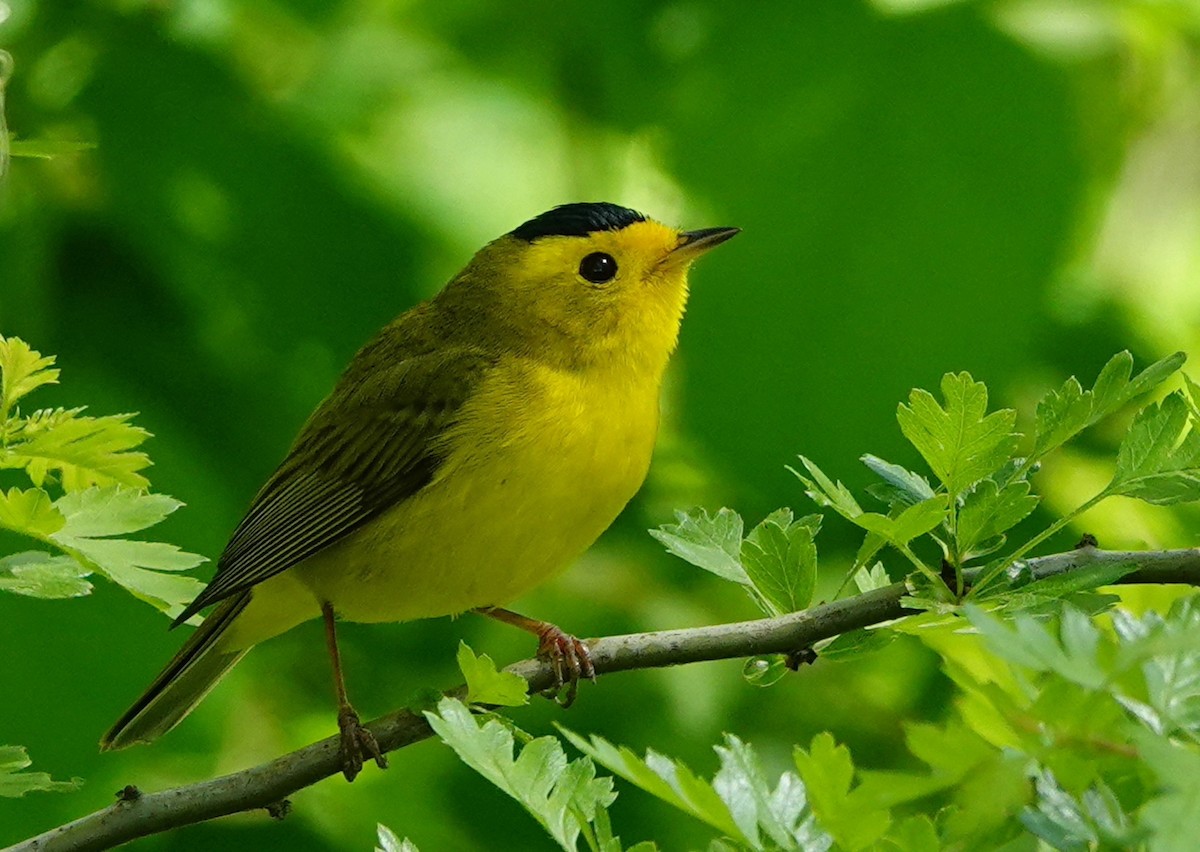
column 365, row 449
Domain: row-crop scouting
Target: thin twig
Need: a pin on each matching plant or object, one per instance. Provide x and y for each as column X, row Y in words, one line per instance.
column 264, row 786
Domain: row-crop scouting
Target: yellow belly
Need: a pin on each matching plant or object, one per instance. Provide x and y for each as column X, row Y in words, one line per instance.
column 516, row 501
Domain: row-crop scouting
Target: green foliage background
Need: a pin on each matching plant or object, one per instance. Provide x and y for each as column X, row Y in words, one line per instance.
column 1005, row 188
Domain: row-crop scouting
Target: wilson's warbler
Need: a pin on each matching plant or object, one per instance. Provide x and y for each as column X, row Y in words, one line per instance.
column 480, row 443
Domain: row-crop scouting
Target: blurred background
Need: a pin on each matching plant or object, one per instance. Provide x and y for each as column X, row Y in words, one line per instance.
column 1010, row 188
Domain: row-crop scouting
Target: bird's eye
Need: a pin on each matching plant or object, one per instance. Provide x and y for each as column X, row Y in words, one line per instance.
column 598, row 267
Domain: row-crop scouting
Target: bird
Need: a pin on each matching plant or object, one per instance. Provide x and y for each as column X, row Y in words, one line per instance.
column 473, row 449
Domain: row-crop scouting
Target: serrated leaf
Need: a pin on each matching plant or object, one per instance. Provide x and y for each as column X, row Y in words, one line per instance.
column 876, row 578
column 915, row 834
column 1193, row 395
column 867, row 551
column 97, row 512
column 1068, row 583
column 14, row 783
column 713, row 542
column 988, row 511
column 952, row 752
column 928, row 593
column 1057, row 823
column 43, row 575
column 1063, row 414
column 825, row 492
column 29, row 512
column 561, row 795
column 1157, row 461
column 1111, row 395
column 1109, row 390
column 671, row 781
column 828, row 771
column 22, row 370
column 779, row 557
column 961, row 442
column 903, row 487
column 753, row 804
column 147, row 569
column 1072, row 652
column 389, row 842
column 1167, row 651
column 1172, row 816
column 486, row 685
column 911, row 523
column 83, row 451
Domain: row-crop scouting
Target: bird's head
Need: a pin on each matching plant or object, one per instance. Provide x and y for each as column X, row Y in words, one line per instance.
column 587, row 285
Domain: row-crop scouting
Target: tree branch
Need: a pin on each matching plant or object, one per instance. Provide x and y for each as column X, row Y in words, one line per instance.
column 266, row 785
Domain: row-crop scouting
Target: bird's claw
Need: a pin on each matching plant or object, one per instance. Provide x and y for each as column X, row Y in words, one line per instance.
column 357, row 744
column 569, row 660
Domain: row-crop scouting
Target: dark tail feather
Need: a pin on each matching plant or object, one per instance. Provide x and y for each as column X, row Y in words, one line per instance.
column 182, row 684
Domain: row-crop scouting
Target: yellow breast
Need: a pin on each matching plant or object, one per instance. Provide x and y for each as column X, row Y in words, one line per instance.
column 539, row 465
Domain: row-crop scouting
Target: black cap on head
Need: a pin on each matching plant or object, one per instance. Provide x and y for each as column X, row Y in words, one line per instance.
column 577, row 220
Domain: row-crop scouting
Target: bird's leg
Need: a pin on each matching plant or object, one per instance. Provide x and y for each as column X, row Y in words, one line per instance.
column 357, row 741
column 568, row 656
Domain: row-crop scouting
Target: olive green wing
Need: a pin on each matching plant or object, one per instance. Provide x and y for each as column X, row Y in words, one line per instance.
column 369, row 446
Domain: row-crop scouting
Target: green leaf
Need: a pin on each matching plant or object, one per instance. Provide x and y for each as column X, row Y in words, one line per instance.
column 43, row 575
column 22, row 370
column 828, row 771
column 1111, row 391
column 739, row 802
column 961, row 442
column 1157, row 462
column 1063, row 414
column 988, row 511
column 29, row 513
column 97, row 512
column 779, row 557
column 1063, row 585
column 1173, row 816
column 713, row 543
column 900, row 487
column 84, row 451
column 389, row 842
column 1073, row 653
column 671, row 781
column 1070, row 823
column 1167, row 650
column 929, row 593
column 825, row 492
column 911, row 523
column 741, row 784
column 915, row 834
column 876, row 578
column 1193, row 395
column 486, row 685
column 986, row 786
column 147, row 569
column 953, row 752
column 14, row 783
column 563, row 796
